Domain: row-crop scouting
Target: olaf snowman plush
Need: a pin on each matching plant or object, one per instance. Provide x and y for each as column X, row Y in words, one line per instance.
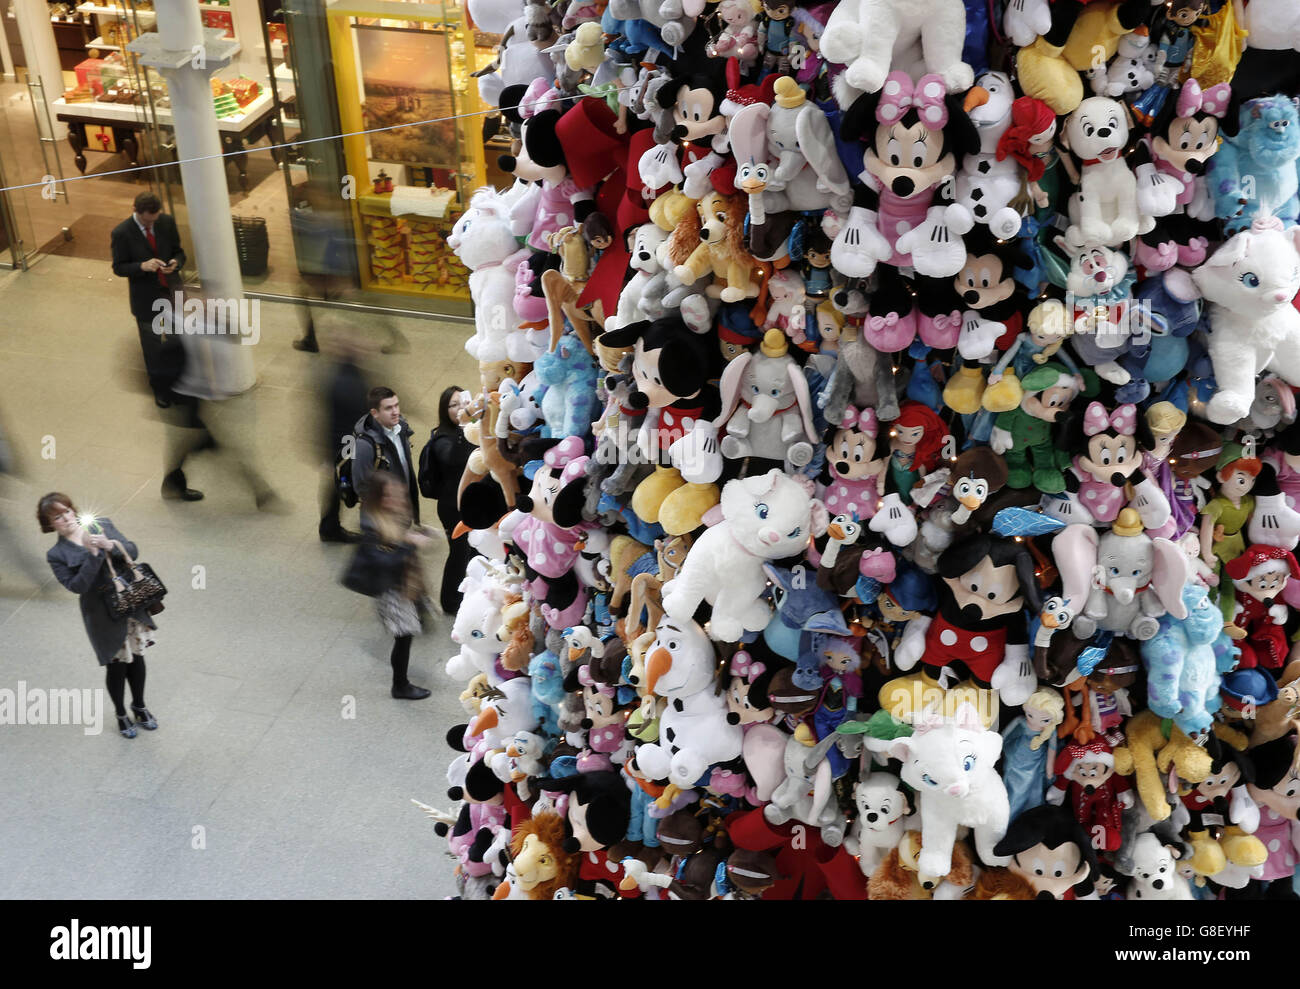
column 696, row 730
column 986, row 186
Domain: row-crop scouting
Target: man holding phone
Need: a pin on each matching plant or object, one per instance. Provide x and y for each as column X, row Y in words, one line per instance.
column 147, row 252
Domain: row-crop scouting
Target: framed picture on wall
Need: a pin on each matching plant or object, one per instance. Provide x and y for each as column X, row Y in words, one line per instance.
column 406, row 97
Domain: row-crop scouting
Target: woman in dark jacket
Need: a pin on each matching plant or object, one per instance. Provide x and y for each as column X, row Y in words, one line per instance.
column 80, row 562
column 387, row 568
column 449, row 450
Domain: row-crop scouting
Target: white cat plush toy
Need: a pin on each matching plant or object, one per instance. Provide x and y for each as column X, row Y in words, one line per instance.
column 1250, row 283
column 765, row 517
column 951, row 764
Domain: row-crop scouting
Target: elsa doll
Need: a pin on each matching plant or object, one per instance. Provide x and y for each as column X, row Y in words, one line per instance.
column 1026, row 761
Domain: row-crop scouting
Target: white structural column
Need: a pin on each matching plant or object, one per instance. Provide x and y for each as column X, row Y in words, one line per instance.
column 6, row 56
column 42, row 54
column 187, row 54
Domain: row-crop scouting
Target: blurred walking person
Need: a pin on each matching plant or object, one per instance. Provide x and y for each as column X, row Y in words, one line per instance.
column 387, row 567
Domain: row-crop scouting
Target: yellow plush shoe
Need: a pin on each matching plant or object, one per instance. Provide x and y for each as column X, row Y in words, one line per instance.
column 1047, row 76
column 650, row 494
column 1004, row 394
column 964, row 390
column 1242, row 849
column 1207, row 857
column 683, row 509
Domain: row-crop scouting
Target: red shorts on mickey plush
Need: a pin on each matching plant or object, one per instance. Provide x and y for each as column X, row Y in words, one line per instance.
column 981, row 652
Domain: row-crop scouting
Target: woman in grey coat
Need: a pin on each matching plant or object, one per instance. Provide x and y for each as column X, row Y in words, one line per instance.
column 78, row 560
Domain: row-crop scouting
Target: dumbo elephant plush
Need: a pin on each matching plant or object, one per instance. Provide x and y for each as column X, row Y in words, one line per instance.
column 807, row 794
column 766, row 406
column 1127, row 579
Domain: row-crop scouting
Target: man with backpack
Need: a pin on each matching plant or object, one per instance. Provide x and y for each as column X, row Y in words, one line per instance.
column 382, row 441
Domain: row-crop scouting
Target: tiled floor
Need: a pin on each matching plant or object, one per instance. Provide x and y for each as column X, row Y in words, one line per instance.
column 255, row 785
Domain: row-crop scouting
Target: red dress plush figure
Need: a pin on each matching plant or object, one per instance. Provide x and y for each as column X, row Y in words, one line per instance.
column 1259, row 623
column 1086, row 775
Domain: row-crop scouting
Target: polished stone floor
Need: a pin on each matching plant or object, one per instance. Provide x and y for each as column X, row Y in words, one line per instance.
column 256, row 783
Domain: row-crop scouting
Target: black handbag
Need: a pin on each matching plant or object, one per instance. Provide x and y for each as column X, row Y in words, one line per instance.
column 135, row 589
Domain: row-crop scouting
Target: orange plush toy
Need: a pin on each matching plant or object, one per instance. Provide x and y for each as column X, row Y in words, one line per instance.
column 718, row 247
column 541, row 865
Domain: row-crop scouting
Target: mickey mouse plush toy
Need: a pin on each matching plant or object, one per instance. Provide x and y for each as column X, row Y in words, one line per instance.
column 980, row 625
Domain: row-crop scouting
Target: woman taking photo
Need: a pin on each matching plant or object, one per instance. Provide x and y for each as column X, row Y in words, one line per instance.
column 80, row 561
column 387, row 567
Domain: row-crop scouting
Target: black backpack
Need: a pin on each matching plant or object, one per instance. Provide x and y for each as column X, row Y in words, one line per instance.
column 427, row 475
column 343, row 481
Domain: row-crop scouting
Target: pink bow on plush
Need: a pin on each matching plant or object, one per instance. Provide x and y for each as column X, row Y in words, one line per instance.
column 745, row 666
column 879, row 322
column 1123, row 420
column 926, row 97
column 878, row 564
column 863, row 421
column 948, row 322
column 538, row 97
column 587, row 680
column 568, row 449
column 1214, row 101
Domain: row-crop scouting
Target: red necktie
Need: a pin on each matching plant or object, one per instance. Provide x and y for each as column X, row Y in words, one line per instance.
column 153, row 246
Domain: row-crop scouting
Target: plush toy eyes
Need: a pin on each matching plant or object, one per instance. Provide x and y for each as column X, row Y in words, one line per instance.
column 1087, row 130
column 918, row 154
column 925, row 778
column 1137, row 573
column 1250, row 279
column 761, row 510
column 754, row 389
column 776, row 392
column 794, row 534
column 969, row 763
column 894, row 152
column 1114, row 571
column 476, row 634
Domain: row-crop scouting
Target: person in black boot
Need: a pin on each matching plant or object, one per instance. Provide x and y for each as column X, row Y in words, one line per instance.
column 442, row 462
column 387, row 567
column 88, row 552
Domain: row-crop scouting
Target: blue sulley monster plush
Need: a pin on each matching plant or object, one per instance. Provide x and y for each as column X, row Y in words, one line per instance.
column 1255, row 173
column 1185, row 661
column 569, row 373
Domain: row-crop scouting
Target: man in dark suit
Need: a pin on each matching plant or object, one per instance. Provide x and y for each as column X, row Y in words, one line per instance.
column 147, row 252
column 384, row 431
